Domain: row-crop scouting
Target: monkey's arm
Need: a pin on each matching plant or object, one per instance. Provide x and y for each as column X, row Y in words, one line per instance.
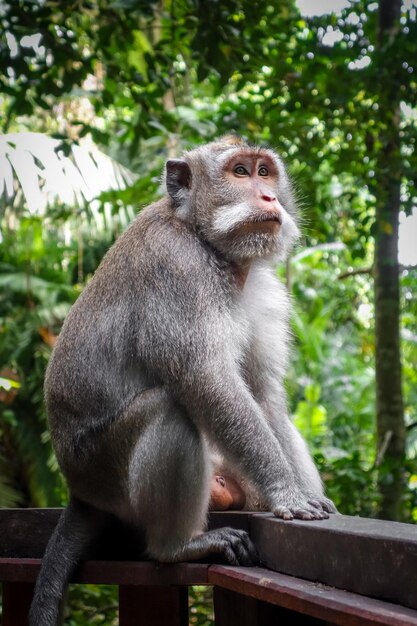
column 235, row 422
column 273, row 402
column 218, row 401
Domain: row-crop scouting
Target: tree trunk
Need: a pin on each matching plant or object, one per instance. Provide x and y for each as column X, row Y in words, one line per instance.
column 389, row 397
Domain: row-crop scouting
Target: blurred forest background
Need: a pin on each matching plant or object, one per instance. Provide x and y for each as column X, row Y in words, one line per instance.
column 96, row 94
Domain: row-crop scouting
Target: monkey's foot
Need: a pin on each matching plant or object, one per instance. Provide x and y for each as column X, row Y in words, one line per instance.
column 231, row 546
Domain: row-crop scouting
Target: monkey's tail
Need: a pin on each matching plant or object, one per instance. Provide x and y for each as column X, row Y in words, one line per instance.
column 76, row 529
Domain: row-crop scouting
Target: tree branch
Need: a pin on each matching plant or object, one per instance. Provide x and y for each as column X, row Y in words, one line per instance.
column 359, row 270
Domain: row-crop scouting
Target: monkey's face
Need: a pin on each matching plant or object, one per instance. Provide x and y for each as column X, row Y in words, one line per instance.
column 239, row 198
column 250, row 219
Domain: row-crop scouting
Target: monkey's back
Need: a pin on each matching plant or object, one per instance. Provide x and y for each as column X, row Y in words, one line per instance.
column 103, row 357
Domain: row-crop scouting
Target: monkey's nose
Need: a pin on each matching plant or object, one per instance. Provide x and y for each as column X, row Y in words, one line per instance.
column 268, row 197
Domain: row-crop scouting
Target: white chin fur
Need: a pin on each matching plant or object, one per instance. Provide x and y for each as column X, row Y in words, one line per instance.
column 229, row 218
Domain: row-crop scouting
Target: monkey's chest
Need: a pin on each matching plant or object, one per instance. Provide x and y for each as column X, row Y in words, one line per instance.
column 261, row 332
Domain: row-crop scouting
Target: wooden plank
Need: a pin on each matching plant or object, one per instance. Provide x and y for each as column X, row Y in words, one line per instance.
column 25, row 532
column 235, row 609
column 372, row 557
column 113, row 572
column 17, row 598
column 19, row 570
column 235, row 519
column 153, row 606
column 149, row 574
column 316, row 600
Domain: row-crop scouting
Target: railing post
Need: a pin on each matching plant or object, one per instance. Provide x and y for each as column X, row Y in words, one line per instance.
column 153, row 606
column 234, row 609
column 17, row 598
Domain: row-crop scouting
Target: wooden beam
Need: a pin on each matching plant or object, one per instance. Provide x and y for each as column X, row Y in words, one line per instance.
column 235, row 609
column 372, row 557
column 333, row 606
column 113, row 572
column 367, row 556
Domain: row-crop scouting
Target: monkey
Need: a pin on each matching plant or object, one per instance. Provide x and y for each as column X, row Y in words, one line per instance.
column 173, row 359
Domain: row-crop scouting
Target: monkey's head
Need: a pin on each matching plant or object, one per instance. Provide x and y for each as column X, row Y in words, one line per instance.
column 237, row 197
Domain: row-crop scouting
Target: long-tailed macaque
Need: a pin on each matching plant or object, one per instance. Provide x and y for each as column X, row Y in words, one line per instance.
column 173, row 355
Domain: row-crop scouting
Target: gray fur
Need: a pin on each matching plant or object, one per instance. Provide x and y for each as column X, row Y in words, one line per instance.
column 165, row 358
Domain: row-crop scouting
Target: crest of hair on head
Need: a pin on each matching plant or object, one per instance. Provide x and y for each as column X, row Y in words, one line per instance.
column 232, row 140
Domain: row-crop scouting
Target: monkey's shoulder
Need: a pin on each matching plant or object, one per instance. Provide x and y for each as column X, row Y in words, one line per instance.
column 160, row 247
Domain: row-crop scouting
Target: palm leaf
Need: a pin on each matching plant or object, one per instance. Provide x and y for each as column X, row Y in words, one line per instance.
column 34, row 171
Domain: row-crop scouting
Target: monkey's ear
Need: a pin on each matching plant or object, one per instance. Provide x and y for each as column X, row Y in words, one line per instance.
column 178, row 178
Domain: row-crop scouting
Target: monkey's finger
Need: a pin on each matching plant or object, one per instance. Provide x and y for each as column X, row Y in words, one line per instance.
column 310, row 514
column 316, row 503
column 320, row 507
column 329, row 506
column 305, row 514
column 283, row 513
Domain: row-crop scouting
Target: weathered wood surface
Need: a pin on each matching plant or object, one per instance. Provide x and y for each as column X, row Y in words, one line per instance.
column 25, row 532
column 367, row 556
column 364, row 556
column 112, row 572
column 235, row 609
column 318, row 601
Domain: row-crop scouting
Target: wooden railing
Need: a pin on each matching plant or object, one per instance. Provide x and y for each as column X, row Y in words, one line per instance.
column 345, row 570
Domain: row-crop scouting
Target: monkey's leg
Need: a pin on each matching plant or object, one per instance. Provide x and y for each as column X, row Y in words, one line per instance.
column 169, row 485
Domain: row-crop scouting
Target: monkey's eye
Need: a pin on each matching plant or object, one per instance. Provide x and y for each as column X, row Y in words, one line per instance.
column 263, row 171
column 240, row 170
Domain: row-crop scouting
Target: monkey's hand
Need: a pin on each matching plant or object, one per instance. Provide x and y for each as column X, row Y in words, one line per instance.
column 320, row 501
column 289, row 504
column 226, row 494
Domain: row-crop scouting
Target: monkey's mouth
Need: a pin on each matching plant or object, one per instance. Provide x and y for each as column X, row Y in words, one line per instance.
column 266, row 217
column 266, row 221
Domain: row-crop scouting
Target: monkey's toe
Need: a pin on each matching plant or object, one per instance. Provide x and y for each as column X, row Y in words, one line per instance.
column 236, row 547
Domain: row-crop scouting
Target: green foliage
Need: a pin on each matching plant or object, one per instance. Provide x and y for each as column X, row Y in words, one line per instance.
column 201, row 606
column 92, row 604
